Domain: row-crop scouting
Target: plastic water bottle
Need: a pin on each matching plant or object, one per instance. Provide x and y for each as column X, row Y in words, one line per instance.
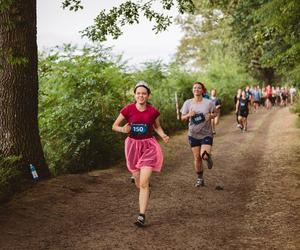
column 33, row 172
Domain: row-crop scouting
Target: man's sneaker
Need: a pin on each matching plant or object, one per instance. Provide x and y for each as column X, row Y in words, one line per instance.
column 140, row 222
column 199, row 182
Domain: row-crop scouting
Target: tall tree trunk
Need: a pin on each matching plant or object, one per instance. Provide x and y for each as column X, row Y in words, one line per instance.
column 19, row 132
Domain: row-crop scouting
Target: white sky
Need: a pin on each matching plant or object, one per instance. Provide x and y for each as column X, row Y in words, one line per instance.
column 138, row 43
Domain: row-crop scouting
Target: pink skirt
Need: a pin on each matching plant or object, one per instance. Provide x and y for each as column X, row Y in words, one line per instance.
column 143, row 153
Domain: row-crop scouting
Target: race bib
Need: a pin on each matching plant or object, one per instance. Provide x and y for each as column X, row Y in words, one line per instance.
column 198, row 118
column 139, row 129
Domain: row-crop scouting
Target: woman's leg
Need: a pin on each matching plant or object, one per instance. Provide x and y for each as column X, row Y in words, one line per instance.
column 198, row 166
column 237, row 119
column 197, row 159
column 241, row 122
column 144, row 180
column 245, row 123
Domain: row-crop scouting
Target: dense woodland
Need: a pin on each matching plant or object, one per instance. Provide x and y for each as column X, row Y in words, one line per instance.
column 57, row 107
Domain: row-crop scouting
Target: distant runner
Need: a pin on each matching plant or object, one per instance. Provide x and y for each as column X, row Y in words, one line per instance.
column 217, row 102
column 242, row 109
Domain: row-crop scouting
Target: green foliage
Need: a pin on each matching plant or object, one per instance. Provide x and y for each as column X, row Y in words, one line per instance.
column 296, row 107
column 153, row 72
column 13, row 60
column 129, row 12
column 10, row 182
column 206, row 33
column 81, row 93
column 9, row 161
column 73, row 5
column 10, row 177
column 265, row 34
column 226, row 75
column 279, row 35
column 4, row 4
column 182, row 82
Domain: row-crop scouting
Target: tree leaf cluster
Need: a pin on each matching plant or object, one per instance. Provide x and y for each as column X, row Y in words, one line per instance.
column 268, row 31
column 110, row 23
column 72, row 5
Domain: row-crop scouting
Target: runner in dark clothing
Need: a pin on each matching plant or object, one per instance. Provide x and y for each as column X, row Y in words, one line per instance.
column 242, row 109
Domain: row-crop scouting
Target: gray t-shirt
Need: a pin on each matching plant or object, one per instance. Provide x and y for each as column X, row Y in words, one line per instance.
column 198, row 127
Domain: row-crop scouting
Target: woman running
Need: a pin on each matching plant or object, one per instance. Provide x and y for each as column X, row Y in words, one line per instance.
column 199, row 111
column 242, row 109
column 256, row 98
column 236, row 98
column 143, row 153
column 217, row 103
column 269, row 97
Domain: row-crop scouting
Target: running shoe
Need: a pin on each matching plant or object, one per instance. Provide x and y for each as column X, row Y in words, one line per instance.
column 140, row 222
column 199, row 182
column 240, row 126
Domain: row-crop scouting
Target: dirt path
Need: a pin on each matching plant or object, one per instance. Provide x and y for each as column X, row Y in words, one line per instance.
column 258, row 208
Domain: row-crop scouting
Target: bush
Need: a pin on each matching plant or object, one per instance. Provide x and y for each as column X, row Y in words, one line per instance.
column 81, row 93
column 10, row 178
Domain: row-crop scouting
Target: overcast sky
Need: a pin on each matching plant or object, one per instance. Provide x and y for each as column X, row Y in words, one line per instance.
column 138, row 44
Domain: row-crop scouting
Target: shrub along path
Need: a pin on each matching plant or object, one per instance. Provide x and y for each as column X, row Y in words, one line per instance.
column 258, row 207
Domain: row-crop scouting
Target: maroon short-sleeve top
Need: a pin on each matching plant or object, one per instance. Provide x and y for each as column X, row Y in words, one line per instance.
column 141, row 122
